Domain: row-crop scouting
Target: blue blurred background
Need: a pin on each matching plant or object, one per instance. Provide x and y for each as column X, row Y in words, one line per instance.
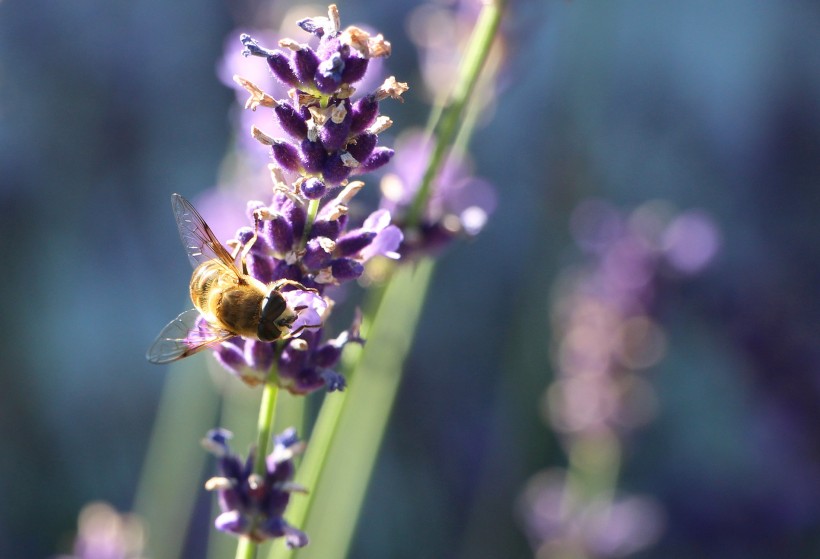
column 106, row 108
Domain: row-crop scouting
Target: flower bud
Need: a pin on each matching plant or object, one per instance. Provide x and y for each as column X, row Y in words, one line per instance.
column 362, row 148
column 379, row 158
column 279, row 65
column 354, row 70
column 291, row 121
column 325, row 228
column 345, row 269
column 286, row 155
column 296, row 216
column 334, row 170
column 313, row 188
column 334, row 132
column 365, row 111
column 328, row 75
column 313, row 156
column 353, row 242
column 279, row 233
column 305, row 63
column 318, row 253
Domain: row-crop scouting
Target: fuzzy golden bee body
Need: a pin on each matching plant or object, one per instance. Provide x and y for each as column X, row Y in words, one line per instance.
column 227, row 301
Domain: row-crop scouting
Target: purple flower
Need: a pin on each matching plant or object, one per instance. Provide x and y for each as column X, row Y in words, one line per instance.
column 307, row 363
column 300, row 242
column 253, row 505
column 103, row 533
column 607, row 332
column 386, row 238
column 459, row 204
column 556, row 520
column 605, row 335
column 320, row 119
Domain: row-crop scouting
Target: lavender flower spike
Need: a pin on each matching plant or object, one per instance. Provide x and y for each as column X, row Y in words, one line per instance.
column 253, row 505
column 328, row 131
column 302, row 240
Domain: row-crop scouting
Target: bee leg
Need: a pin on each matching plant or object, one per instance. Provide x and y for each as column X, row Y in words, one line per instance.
column 247, row 248
column 282, row 282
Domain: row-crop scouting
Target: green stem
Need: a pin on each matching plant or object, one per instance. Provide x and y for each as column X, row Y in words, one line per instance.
column 267, row 411
column 246, row 548
column 324, row 431
column 173, row 467
column 474, row 59
column 351, row 425
column 312, row 211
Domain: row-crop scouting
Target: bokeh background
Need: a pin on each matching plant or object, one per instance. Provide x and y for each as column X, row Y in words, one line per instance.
column 696, row 108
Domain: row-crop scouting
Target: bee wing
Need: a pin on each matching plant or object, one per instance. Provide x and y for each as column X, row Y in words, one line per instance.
column 199, row 241
column 184, row 336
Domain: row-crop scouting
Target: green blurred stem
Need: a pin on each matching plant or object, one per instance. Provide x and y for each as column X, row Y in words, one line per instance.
column 175, row 460
column 448, row 123
column 358, row 423
column 594, row 466
column 267, row 411
column 246, row 549
column 324, row 431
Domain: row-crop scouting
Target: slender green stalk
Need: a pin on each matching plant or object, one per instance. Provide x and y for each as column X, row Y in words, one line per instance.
column 324, row 431
column 246, row 549
column 267, row 411
column 312, row 465
column 363, row 422
column 313, row 209
column 448, row 124
column 175, row 459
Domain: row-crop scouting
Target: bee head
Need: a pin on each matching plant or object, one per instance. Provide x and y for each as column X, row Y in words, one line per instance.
column 276, row 318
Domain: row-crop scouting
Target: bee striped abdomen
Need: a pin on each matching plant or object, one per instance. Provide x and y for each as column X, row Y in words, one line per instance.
column 208, row 278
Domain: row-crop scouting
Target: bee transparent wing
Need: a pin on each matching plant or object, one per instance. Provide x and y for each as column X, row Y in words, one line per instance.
column 184, row 336
column 199, row 241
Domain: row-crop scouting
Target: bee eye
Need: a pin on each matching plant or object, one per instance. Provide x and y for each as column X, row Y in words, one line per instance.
column 273, row 306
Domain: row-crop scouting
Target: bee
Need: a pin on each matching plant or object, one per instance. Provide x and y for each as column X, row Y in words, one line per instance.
column 230, row 302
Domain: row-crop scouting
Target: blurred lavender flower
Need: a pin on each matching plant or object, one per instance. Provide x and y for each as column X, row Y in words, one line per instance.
column 302, row 234
column 605, row 335
column 440, row 30
column 105, row 534
column 459, row 204
column 561, row 526
column 603, row 312
column 253, row 505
